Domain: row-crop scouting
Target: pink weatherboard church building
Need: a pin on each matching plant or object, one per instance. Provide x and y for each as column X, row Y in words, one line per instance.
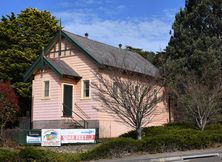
column 61, row 77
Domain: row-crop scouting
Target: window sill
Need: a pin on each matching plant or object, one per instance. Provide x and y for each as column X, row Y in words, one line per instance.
column 45, row 98
column 85, row 98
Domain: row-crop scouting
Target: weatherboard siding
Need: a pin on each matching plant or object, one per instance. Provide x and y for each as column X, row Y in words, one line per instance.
column 51, row 109
column 86, row 69
column 46, row 108
column 111, row 127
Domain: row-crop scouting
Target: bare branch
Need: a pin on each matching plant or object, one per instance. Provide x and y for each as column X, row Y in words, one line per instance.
column 133, row 100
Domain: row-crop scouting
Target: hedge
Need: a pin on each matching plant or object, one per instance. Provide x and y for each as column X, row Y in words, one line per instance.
column 9, row 155
column 113, row 148
column 155, row 140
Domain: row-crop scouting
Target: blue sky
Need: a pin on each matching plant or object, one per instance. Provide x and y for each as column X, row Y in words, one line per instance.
column 139, row 23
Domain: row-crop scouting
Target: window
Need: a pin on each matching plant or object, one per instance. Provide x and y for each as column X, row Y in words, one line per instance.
column 115, row 88
column 46, row 88
column 86, row 89
column 155, row 95
column 137, row 92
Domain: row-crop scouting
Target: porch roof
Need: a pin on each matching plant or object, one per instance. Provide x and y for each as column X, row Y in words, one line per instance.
column 56, row 65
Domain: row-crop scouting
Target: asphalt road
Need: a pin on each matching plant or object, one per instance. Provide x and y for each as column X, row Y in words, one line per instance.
column 211, row 159
column 187, row 156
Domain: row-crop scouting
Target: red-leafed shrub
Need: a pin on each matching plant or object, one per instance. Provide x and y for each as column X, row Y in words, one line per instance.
column 8, row 105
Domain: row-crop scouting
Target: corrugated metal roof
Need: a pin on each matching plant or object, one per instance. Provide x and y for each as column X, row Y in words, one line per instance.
column 115, row 57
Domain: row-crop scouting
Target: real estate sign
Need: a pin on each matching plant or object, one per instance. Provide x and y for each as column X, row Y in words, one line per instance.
column 78, row 135
column 51, row 137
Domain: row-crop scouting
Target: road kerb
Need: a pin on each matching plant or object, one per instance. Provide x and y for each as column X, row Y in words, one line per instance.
column 176, row 158
column 180, row 158
column 201, row 156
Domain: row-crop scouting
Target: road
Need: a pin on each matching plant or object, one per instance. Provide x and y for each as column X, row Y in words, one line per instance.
column 199, row 159
column 211, row 159
column 206, row 155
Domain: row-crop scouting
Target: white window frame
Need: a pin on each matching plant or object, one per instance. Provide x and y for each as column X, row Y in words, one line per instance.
column 82, row 89
column 43, row 89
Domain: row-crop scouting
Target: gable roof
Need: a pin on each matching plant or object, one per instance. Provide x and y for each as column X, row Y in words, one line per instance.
column 104, row 54
column 100, row 53
column 58, row 66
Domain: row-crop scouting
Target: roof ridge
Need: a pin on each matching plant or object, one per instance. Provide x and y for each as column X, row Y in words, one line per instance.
column 106, row 54
column 135, row 53
column 98, row 41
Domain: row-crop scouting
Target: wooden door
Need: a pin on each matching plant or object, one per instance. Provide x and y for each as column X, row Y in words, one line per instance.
column 67, row 100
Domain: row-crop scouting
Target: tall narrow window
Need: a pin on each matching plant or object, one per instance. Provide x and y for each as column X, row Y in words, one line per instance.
column 46, row 88
column 115, row 88
column 86, row 89
column 137, row 92
column 155, row 95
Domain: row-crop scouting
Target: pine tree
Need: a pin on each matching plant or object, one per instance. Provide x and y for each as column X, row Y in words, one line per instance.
column 196, row 45
column 194, row 52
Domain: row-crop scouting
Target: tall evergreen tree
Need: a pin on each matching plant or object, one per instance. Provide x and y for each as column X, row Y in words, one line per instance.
column 195, row 47
column 196, row 41
column 21, row 38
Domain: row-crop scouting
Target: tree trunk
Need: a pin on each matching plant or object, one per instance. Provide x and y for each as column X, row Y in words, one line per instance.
column 139, row 133
column 201, row 123
column 204, row 122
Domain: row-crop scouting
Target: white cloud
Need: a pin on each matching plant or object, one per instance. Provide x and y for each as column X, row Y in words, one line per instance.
column 148, row 34
column 80, row 3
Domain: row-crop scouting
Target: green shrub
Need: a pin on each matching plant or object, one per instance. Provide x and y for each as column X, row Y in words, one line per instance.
column 155, row 140
column 31, row 153
column 8, row 155
column 181, row 125
column 211, row 127
column 179, row 136
column 67, row 157
column 167, row 143
column 157, row 130
column 130, row 134
column 34, row 154
column 114, row 148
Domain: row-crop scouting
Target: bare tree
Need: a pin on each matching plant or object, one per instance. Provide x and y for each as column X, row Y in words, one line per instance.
column 131, row 98
column 202, row 102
